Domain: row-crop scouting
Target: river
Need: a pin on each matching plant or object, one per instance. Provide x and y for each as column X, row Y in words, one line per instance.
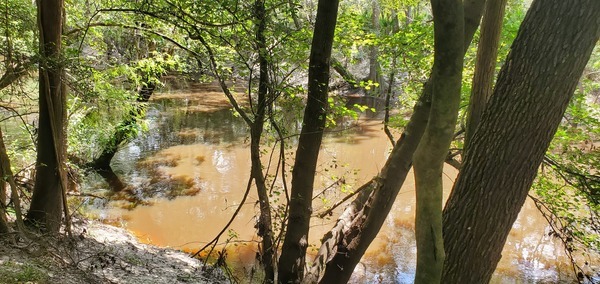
column 188, row 172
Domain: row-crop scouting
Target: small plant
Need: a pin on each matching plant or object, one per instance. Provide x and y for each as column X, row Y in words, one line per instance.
column 11, row 272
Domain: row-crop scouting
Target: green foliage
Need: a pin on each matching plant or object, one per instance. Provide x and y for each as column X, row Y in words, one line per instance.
column 150, row 70
column 413, row 45
column 121, row 53
column 107, row 97
column 514, row 15
column 351, row 32
column 569, row 182
column 18, row 49
column 338, row 111
column 95, row 109
column 576, row 214
column 15, row 273
column 17, row 119
column 367, row 85
column 18, row 26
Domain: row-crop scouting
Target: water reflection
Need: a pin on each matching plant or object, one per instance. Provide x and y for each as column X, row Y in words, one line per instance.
column 197, row 151
column 176, row 119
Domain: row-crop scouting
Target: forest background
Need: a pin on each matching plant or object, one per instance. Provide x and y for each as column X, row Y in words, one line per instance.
column 77, row 78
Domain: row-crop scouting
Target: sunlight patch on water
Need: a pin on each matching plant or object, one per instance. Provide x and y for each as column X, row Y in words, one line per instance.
column 221, row 162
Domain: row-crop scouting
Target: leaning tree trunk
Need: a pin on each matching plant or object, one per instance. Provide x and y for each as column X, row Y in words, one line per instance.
column 532, row 92
column 345, row 244
column 448, row 25
column 344, row 72
column 487, row 51
column 291, row 262
column 47, row 200
column 124, row 132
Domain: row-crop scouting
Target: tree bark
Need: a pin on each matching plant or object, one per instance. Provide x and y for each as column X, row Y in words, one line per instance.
column 353, row 240
column 13, row 74
column 487, row 52
column 47, row 200
column 291, row 262
column 374, row 49
column 111, row 178
column 360, row 228
column 448, row 25
column 533, row 89
column 3, row 224
column 390, row 87
column 345, row 73
column 265, row 230
column 294, row 13
column 8, row 175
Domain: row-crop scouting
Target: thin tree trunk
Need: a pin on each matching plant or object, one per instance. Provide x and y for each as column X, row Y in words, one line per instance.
column 487, row 51
column 2, row 191
column 291, row 262
column 3, row 223
column 47, row 200
column 343, row 255
column 294, row 12
column 448, row 21
column 409, row 15
column 374, row 49
column 7, row 174
column 256, row 128
column 532, row 92
column 265, row 230
column 389, row 93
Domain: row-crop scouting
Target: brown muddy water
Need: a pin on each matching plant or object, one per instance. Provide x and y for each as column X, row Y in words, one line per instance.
column 188, row 172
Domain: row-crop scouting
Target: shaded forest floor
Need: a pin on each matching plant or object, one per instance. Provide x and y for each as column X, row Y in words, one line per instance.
column 99, row 253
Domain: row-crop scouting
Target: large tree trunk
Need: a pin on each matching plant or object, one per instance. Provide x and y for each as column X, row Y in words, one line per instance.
column 344, row 246
column 265, row 230
column 487, row 51
column 47, row 201
column 448, row 21
column 532, row 92
column 291, row 262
